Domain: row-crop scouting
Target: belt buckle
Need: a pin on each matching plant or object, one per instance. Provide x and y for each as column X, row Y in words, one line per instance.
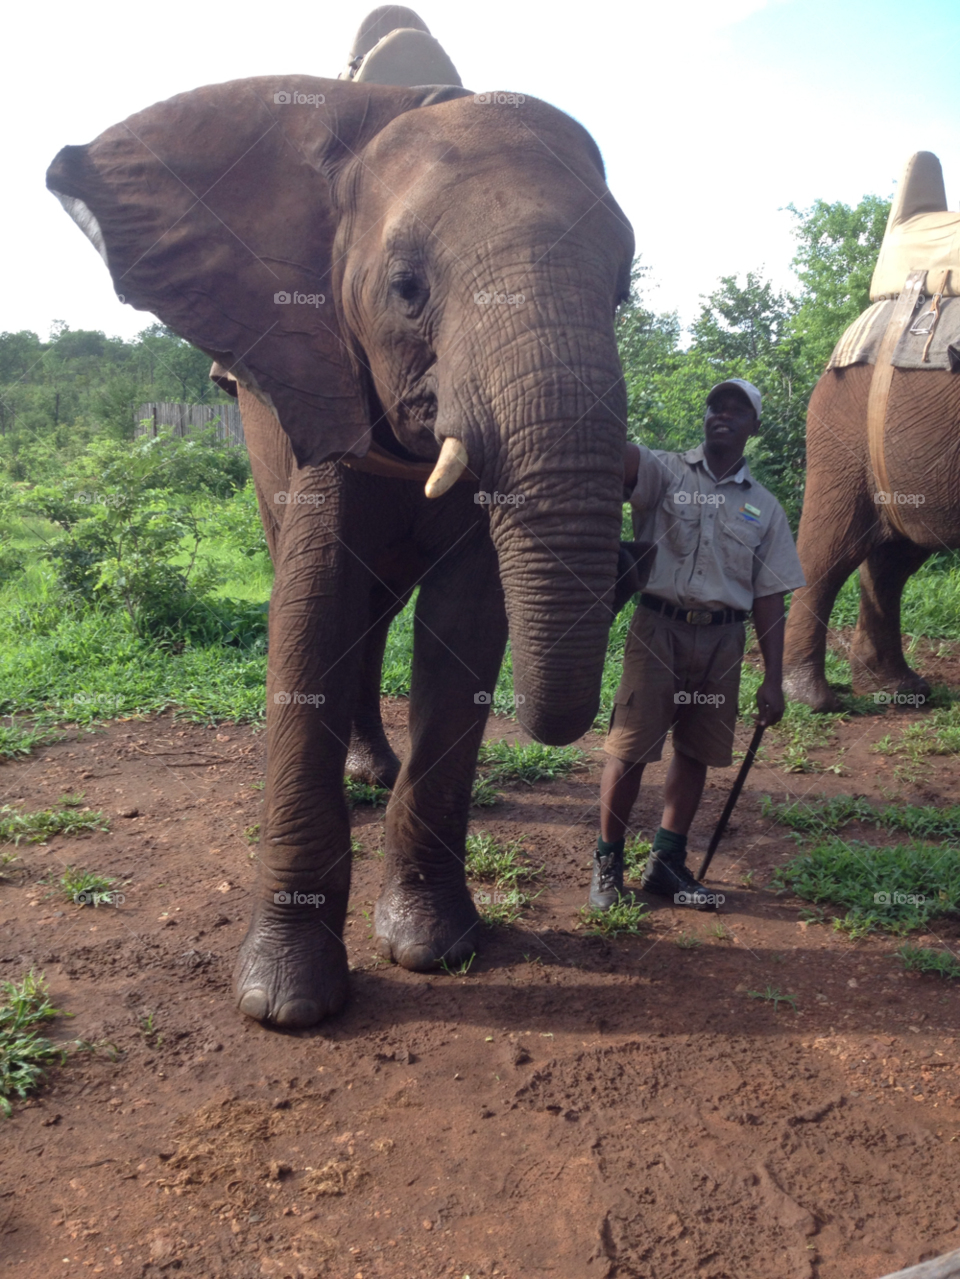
column 699, row 617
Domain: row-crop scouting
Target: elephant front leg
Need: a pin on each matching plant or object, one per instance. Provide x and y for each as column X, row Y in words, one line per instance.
column 425, row 913
column 876, row 657
column 292, row 966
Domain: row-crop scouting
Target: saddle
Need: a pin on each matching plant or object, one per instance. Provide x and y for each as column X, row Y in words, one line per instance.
column 394, row 46
column 921, row 235
column 914, row 319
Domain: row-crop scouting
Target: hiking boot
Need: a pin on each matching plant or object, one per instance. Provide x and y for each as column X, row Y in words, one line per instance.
column 606, row 883
column 667, row 876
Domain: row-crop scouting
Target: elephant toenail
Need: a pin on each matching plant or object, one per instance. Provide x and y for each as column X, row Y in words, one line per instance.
column 255, row 1004
column 384, row 949
column 298, row 1012
column 418, row 959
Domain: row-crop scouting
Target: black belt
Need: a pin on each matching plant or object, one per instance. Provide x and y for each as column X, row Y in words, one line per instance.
column 695, row 616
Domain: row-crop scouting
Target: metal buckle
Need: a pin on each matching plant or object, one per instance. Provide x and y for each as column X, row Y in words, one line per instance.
column 697, row 617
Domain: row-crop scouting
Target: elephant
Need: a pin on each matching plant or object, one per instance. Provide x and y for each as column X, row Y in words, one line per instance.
column 883, row 474
column 403, row 278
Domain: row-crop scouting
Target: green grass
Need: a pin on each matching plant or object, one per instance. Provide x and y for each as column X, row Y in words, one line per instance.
column 505, row 763
column 775, row 996
column 501, row 864
column 462, row 970
column 626, row 918
column 25, row 1056
column 364, row 793
column 896, row 889
column 18, row 740
column 823, row 816
column 86, row 887
column 921, row 959
column 483, row 794
column 34, row 828
column 502, row 869
column 635, row 854
column 688, row 941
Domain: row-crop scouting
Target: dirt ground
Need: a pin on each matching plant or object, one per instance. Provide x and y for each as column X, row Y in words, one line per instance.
column 572, row 1107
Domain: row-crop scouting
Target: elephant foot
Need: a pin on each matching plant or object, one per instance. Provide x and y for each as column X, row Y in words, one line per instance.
column 805, row 684
column 901, row 682
column 419, row 928
column 292, row 967
column 371, row 759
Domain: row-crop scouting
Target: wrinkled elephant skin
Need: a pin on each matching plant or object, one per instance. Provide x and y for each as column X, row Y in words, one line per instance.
column 395, row 267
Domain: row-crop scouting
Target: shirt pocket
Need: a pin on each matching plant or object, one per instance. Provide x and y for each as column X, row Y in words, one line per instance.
column 738, row 542
column 682, row 521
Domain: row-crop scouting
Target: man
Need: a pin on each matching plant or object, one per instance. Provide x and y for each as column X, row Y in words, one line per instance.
column 723, row 549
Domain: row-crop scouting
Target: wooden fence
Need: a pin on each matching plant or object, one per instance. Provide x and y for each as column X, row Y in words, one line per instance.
column 187, row 419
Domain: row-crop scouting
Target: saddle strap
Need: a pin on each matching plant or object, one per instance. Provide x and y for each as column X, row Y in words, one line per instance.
column 900, row 317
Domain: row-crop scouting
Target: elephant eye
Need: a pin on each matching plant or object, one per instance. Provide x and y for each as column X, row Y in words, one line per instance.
column 410, row 290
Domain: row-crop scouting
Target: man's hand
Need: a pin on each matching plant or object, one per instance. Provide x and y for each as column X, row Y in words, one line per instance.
column 770, row 703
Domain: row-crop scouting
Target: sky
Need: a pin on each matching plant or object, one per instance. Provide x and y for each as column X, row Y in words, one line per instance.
column 712, row 115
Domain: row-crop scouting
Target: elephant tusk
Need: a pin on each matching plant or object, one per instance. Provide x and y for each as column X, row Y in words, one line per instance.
column 451, row 464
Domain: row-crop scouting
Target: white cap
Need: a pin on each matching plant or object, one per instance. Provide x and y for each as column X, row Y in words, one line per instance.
column 745, row 388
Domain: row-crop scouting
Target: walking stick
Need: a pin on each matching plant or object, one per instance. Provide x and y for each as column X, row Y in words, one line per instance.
column 732, row 798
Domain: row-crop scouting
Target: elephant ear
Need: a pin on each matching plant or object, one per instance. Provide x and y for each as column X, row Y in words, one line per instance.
column 214, row 211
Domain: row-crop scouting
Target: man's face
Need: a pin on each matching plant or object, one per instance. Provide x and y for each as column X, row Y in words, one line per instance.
column 729, row 420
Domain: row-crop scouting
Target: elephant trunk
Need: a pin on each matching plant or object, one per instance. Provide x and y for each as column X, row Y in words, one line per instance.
column 555, row 518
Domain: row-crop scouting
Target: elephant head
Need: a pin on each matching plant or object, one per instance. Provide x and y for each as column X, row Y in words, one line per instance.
column 439, row 264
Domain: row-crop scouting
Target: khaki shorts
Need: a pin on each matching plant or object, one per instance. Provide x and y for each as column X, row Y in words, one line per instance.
column 679, row 676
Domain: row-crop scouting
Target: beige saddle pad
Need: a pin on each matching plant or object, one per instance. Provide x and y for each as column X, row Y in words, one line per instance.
column 921, row 235
column 394, row 46
column 860, row 343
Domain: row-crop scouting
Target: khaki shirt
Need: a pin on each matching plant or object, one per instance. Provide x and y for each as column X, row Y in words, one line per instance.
column 719, row 543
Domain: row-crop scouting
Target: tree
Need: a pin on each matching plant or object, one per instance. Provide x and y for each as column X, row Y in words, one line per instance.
column 837, row 249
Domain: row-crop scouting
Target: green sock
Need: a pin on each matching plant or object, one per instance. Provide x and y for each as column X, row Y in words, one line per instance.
column 668, row 841
column 604, row 849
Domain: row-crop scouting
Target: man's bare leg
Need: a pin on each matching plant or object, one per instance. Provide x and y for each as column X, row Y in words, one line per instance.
column 619, row 788
column 682, row 793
